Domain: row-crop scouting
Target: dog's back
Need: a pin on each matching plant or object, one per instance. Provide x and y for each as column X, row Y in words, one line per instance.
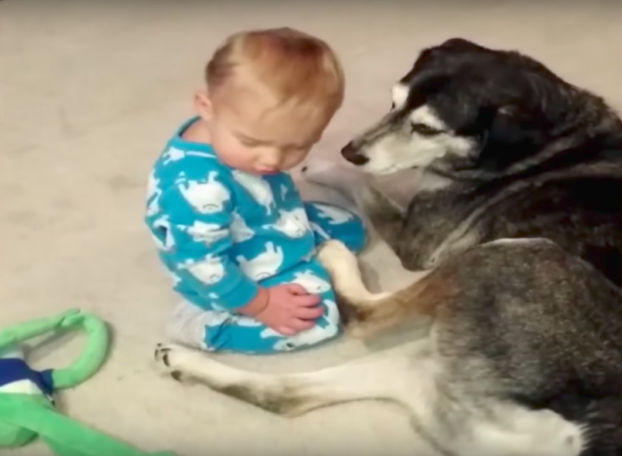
column 574, row 199
column 549, row 322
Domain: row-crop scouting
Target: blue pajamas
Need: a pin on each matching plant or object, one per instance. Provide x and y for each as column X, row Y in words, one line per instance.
column 222, row 233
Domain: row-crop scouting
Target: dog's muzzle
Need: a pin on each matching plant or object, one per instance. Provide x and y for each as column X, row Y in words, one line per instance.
column 351, row 152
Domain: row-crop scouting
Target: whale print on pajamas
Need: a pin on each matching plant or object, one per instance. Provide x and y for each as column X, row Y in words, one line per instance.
column 240, row 232
column 257, row 187
column 293, row 223
column 173, row 154
column 319, row 230
column 209, row 271
column 264, row 265
column 206, row 233
column 207, row 197
column 310, row 282
column 335, row 216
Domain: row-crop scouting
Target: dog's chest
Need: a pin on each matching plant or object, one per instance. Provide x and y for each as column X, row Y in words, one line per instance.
column 439, row 224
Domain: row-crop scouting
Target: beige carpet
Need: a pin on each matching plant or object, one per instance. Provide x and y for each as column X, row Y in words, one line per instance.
column 89, row 92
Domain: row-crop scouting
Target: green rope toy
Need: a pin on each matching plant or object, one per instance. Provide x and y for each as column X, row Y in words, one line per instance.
column 26, row 396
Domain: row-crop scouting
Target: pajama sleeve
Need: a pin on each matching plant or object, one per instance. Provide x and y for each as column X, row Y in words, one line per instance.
column 199, row 220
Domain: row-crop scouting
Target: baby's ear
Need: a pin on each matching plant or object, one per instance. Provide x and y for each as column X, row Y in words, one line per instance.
column 203, row 104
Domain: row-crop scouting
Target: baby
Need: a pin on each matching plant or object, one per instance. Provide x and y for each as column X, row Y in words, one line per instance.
column 228, row 221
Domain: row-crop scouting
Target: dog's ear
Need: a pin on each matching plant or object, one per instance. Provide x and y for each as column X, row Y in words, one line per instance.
column 442, row 58
column 442, row 51
column 458, row 44
column 446, row 49
column 505, row 137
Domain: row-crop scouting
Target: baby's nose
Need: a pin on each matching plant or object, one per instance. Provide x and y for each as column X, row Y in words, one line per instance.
column 272, row 162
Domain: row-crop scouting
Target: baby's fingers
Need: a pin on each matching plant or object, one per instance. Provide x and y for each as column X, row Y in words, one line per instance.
column 285, row 331
column 301, row 325
column 309, row 300
column 309, row 313
column 297, row 289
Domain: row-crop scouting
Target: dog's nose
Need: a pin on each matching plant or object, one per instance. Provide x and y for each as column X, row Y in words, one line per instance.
column 351, row 153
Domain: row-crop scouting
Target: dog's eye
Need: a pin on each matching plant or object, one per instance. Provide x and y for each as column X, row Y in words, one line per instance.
column 424, row 130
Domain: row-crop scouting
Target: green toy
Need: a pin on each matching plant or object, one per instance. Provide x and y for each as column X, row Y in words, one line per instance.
column 26, row 395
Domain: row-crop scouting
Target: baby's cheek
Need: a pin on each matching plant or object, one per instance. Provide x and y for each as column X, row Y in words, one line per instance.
column 236, row 157
column 293, row 159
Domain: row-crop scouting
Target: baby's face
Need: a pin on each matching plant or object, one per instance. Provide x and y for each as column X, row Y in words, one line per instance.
column 247, row 137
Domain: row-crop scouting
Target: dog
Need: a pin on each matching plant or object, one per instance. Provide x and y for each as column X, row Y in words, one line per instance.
column 508, row 150
column 518, row 223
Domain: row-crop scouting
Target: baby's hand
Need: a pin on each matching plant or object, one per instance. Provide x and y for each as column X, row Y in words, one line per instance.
column 290, row 309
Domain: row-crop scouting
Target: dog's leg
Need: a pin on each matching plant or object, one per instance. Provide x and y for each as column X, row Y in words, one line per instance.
column 366, row 313
column 391, row 375
column 343, row 267
column 406, row 375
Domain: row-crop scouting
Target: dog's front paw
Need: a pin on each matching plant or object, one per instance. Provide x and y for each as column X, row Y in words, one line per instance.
column 169, row 360
column 336, row 257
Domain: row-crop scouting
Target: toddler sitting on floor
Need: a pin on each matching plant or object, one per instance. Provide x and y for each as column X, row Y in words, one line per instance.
column 227, row 219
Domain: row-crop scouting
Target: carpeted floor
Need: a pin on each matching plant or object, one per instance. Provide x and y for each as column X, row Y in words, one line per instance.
column 89, row 92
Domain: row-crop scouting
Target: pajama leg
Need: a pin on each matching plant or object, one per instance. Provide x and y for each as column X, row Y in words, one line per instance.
column 222, row 331
column 333, row 222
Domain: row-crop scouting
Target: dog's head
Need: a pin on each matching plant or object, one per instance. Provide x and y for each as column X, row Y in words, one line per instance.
column 466, row 105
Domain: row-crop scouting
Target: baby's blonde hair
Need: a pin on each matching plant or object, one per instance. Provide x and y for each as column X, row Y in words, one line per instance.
column 299, row 71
